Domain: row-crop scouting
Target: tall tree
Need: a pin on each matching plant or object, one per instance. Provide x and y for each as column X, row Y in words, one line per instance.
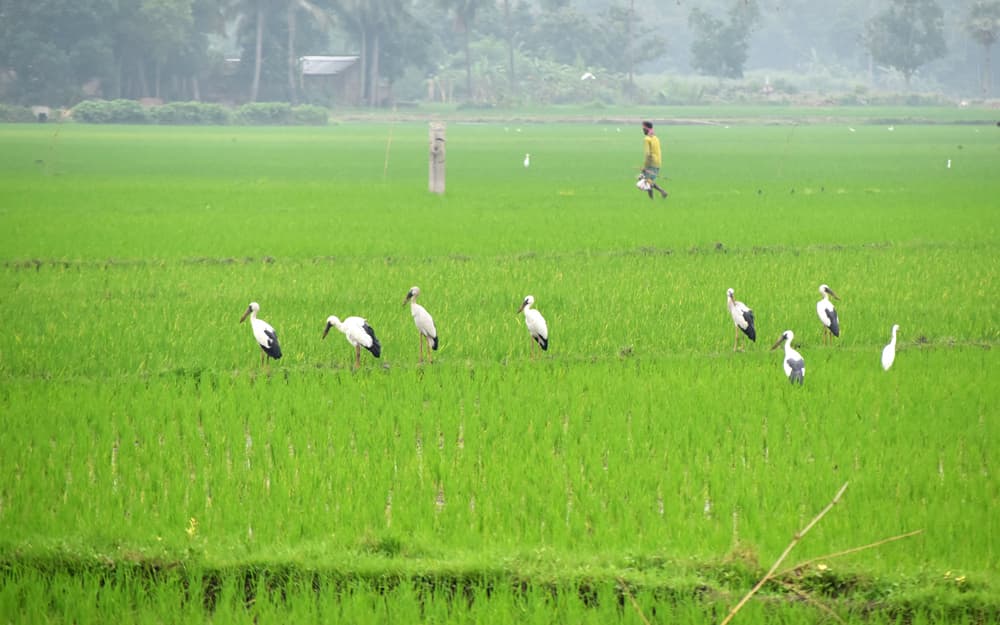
column 258, row 56
column 720, row 48
column 464, row 12
column 984, row 26
column 622, row 30
column 317, row 16
column 509, row 33
column 53, row 47
column 163, row 25
column 567, row 36
column 906, row 35
column 370, row 21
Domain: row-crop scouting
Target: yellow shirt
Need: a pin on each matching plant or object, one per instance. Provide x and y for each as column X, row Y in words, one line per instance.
column 652, row 151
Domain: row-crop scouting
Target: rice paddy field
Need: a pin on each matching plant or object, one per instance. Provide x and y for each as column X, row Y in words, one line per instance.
column 639, row 471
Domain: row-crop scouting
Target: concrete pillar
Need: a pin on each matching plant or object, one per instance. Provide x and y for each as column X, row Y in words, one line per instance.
column 436, row 176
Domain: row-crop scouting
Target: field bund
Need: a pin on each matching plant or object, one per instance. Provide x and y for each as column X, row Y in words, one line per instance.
column 640, row 470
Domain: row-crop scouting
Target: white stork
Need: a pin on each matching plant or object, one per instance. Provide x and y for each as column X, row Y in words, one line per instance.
column 263, row 332
column 358, row 333
column 424, row 322
column 793, row 363
column 827, row 313
column 742, row 318
column 527, row 160
column 889, row 351
column 536, row 323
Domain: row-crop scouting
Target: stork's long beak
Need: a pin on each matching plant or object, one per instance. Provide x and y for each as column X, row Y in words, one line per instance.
column 245, row 314
column 521, row 308
column 408, row 296
column 832, row 294
column 775, row 346
column 327, row 329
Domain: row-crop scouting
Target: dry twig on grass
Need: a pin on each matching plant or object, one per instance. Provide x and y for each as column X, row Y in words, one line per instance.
column 838, row 554
column 784, row 554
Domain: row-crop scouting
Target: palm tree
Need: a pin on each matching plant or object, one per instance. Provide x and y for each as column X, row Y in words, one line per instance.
column 320, row 17
column 258, row 59
column 370, row 20
column 250, row 12
column 984, row 26
column 465, row 14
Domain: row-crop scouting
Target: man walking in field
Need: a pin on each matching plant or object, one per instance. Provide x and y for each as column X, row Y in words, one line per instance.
column 651, row 162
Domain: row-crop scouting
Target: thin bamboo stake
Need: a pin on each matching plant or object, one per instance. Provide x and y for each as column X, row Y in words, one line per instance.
column 388, row 146
column 781, row 558
column 635, row 603
column 848, row 552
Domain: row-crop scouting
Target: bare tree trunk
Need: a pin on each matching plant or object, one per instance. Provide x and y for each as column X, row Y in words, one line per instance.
column 628, row 43
column 292, row 93
column 363, row 72
column 143, row 83
column 195, row 89
column 156, row 80
column 258, row 53
column 468, row 64
column 373, row 80
column 510, row 47
column 987, row 73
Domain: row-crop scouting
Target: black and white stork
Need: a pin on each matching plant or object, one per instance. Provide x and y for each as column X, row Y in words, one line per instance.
column 358, row 333
column 265, row 335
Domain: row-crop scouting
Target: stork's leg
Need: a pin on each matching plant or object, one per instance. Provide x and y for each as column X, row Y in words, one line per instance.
column 430, row 356
column 357, row 356
column 420, row 337
column 736, row 339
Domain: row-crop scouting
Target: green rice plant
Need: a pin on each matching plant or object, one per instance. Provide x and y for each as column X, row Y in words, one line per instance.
column 138, row 425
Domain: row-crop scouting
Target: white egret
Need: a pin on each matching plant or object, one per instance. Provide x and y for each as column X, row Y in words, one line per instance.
column 793, row 363
column 358, row 333
column 536, row 323
column 527, row 160
column 827, row 313
column 889, row 351
column 424, row 322
column 265, row 335
column 742, row 318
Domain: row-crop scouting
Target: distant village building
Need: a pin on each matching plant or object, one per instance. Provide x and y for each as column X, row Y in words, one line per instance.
column 325, row 80
column 334, row 80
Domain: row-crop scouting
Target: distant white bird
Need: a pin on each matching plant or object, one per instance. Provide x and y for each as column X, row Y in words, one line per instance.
column 358, row 333
column 851, row 129
column 536, row 323
column 742, row 318
column 425, row 324
column 793, row 363
column 588, row 76
column 827, row 313
column 263, row 333
column 889, row 351
column 527, row 160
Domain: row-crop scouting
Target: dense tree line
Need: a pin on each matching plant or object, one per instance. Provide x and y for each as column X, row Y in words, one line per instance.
column 480, row 51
